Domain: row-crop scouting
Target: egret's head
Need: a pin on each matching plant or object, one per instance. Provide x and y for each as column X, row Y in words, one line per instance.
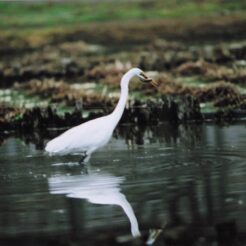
column 144, row 77
column 141, row 75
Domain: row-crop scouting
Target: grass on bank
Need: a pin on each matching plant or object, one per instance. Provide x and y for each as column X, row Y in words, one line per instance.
column 28, row 15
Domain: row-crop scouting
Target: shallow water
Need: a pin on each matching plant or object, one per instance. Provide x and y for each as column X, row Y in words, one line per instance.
column 193, row 177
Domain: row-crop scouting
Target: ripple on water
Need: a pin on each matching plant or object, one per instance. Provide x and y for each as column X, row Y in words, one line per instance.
column 70, row 164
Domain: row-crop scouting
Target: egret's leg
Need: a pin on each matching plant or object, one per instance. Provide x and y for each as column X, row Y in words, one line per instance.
column 87, row 157
column 85, row 168
column 83, row 159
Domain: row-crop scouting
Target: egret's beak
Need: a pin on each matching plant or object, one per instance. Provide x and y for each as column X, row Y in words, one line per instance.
column 144, row 78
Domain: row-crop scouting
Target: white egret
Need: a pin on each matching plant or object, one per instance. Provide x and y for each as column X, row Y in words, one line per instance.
column 89, row 136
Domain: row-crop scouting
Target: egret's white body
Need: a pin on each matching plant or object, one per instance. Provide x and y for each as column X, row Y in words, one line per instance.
column 91, row 135
column 85, row 138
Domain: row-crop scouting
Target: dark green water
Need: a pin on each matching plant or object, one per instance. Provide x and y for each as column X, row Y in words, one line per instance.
column 192, row 177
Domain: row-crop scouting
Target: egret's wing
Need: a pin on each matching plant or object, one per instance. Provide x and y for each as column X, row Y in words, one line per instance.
column 64, row 142
column 78, row 138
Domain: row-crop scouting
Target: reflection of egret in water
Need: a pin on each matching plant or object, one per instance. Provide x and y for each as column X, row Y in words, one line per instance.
column 97, row 189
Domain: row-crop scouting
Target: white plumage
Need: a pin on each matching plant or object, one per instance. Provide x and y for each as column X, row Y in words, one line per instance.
column 85, row 138
column 91, row 135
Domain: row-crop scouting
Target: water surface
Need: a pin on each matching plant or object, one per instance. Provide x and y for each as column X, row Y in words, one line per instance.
column 164, row 177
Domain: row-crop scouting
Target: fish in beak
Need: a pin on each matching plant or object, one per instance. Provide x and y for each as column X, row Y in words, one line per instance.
column 145, row 79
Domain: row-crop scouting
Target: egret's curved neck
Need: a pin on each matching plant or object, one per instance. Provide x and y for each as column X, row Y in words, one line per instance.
column 119, row 109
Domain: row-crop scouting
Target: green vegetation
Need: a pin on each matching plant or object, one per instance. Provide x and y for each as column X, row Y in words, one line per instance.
column 15, row 15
